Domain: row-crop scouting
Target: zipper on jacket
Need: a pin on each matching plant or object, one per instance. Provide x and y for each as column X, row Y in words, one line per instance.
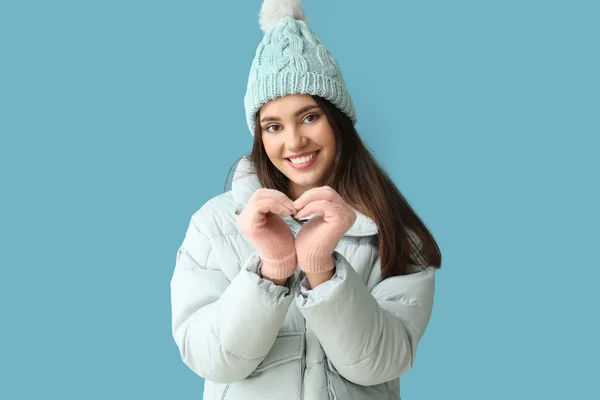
column 303, row 365
column 303, row 368
column 225, row 391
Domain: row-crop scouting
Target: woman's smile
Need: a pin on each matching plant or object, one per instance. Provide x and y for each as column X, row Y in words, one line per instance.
column 303, row 162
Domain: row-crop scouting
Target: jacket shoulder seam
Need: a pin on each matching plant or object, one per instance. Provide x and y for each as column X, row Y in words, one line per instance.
column 237, row 233
column 210, row 247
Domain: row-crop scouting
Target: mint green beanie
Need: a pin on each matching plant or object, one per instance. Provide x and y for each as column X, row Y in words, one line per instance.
column 291, row 59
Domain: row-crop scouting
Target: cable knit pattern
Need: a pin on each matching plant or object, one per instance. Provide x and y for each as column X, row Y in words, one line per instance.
column 291, row 59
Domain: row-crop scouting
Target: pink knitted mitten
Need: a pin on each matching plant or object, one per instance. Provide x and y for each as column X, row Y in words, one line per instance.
column 262, row 224
column 319, row 237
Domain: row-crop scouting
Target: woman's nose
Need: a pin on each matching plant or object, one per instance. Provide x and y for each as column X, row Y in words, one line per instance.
column 295, row 139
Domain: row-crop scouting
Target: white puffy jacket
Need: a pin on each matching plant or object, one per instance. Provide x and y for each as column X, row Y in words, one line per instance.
column 351, row 338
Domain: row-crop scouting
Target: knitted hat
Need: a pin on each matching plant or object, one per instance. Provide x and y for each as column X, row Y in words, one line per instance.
column 292, row 60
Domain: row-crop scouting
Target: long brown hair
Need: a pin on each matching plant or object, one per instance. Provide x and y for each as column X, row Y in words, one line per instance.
column 353, row 170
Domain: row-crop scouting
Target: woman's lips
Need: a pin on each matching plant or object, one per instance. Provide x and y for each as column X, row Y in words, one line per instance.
column 305, row 164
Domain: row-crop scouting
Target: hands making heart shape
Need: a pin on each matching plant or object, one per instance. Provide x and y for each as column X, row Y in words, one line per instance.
column 312, row 250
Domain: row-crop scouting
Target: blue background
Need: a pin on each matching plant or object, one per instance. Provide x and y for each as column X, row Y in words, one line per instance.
column 119, row 119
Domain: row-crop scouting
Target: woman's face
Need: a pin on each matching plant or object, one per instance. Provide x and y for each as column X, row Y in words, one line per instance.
column 290, row 126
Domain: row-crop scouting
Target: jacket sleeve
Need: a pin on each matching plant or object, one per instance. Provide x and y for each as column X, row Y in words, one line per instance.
column 382, row 327
column 223, row 329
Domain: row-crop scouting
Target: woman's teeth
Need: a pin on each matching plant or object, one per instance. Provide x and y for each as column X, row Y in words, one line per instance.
column 302, row 159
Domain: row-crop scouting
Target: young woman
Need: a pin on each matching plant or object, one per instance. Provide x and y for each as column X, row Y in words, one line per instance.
column 312, row 278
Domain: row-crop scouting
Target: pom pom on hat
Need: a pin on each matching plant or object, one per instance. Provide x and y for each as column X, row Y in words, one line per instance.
column 273, row 10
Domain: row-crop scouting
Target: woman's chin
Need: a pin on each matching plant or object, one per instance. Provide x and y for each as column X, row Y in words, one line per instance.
column 304, row 182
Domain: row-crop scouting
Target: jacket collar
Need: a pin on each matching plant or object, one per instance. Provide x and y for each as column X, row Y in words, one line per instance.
column 245, row 183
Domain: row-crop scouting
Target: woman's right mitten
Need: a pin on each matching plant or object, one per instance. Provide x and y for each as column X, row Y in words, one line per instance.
column 261, row 222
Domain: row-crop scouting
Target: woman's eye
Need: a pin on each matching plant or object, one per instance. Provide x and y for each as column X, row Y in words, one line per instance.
column 268, row 128
column 313, row 115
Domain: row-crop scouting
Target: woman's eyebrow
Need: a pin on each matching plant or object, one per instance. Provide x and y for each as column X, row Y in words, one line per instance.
column 300, row 111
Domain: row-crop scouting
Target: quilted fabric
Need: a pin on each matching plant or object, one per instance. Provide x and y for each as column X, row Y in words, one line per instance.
column 352, row 337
